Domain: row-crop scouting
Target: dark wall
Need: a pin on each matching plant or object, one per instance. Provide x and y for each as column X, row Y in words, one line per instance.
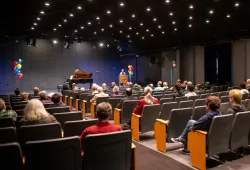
column 47, row 66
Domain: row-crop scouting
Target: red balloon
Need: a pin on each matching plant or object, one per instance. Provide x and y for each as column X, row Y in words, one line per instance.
column 15, row 63
column 20, row 75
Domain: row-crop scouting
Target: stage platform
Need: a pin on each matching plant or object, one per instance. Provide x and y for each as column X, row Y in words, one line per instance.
column 148, row 158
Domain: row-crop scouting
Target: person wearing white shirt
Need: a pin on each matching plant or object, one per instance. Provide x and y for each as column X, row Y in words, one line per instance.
column 122, row 73
column 190, row 88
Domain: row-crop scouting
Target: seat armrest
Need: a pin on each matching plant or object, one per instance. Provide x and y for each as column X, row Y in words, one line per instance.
column 117, row 116
column 118, row 109
column 137, row 115
column 162, row 121
column 135, row 126
column 161, row 134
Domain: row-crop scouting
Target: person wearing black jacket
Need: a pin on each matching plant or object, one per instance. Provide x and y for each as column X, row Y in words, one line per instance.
column 128, row 97
column 178, row 92
column 235, row 97
column 213, row 104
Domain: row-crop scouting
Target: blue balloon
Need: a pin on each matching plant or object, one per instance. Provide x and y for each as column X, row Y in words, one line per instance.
column 20, row 61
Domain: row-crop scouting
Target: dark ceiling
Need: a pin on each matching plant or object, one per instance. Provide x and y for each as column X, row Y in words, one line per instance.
column 19, row 16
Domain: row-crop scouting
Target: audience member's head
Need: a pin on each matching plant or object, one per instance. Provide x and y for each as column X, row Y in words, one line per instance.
column 94, row 86
column 104, row 86
column 25, row 96
column 73, row 85
column 149, row 99
column 122, row 70
column 17, row 91
column 113, row 84
column 35, row 110
column 183, row 86
column 178, row 81
column 82, row 89
column 99, row 89
column 136, row 86
column 185, row 82
column 159, row 84
column 116, row 89
column 213, row 103
column 56, row 98
column 36, row 90
column 235, row 97
column 242, row 85
column 151, row 85
column 65, row 87
column 177, row 87
column 42, row 95
column 197, row 86
column 248, row 81
column 190, row 87
column 165, row 84
column 207, row 85
column 103, row 111
column 2, row 105
column 128, row 91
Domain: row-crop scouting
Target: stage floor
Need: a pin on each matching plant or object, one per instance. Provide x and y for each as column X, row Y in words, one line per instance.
column 148, row 158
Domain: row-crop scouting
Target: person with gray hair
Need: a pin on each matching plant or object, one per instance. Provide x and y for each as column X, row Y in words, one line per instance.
column 115, row 91
column 103, row 112
column 100, row 94
column 147, row 100
column 43, row 97
column 6, row 113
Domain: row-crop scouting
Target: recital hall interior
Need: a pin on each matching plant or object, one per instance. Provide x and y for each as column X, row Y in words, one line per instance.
column 125, row 85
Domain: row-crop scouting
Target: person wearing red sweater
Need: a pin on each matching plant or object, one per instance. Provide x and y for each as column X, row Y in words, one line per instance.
column 104, row 111
column 147, row 100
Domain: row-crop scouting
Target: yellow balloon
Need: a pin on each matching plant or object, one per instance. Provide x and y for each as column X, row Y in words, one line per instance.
column 19, row 66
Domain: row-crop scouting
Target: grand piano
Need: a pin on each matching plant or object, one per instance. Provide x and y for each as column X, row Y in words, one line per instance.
column 80, row 77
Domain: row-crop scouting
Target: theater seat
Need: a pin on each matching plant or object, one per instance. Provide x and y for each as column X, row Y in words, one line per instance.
column 179, row 99
column 166, row 110
column 54, row 154
column 68, row 116
column 6, row 122
column 223, row 108
column 186, row 104
column 114, row 102
column 213, row 143
column 53, row 110
column 113, row 153
column 204, row 96
column 166, row 100
column 8, row 135
column 11, row 157
column 224, row 99
column 198, row 112
column 93, row 105
column 193, row 97
column 199, row 102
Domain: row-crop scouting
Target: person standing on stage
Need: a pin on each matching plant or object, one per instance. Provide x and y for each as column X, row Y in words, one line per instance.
column 122, row 72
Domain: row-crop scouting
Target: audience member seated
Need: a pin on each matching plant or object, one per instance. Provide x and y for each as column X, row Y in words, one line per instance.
column 65, row 87
column 35, row 113
column 147, row 100
column 6, row 113
column 213, row 104
column 115, row 91
column 207, row 86
column 104, row 87
column 128, row 97
column 24, row 96
column 197, row 88
column 248, row 85
column 136, row 87
column 56, row 100
column 243, row 89
column 43, row 98
column 183, row 88
column 17, row 92
column 103, row 112
column 190, row 88
column 74, row 87
column 178, row 81
column 159, row 88
column 50, row 95
column 177, row 92
column 112, row 86
column 36, row 91
column 235, row 97
column 151, row 85
column 100, row 94
column 94, row 89
column 82, row 89
column 165, row 85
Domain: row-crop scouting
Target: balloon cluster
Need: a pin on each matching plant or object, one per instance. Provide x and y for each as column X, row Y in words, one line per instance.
column 130, row 70
column 17, row 68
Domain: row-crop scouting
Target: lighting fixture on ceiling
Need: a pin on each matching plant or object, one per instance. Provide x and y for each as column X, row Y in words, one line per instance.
column 141, row 24
column 175, row 29
column 133, row 15
column 76, row 31
column 211, row 12
column 147, row 30
column 42, row 12
column 59, row 25
column 130, row 28
column 55, row 42
column 102, row 29
column 152, row 35
column 65, row 20
column 207, row 21
column 122, row 4
column 171, row 14
column 236, row 4
column 38, row 19
column 159, row 26
column 71, row 15
column 32, row 28
column 148, row 9
column 191, row 7
column 108, row 12
column 95, row 32
column 110, row 25
column 137, row 33
column 35, row 23
column 101, row 44
column 167, row 1
column 47, row 4
column 89, row 23
column 190, row 17
column 162, row 32
column 128, row 36
column 155, row 19
column 142, row 38
column 173, row 22
column 121, row 31
column 54, row 29
column 121, row 21
column 228, row 15
column 79, row 7
column 190, row 25
column 97, row 18
column 82, row 27
column 129, row 41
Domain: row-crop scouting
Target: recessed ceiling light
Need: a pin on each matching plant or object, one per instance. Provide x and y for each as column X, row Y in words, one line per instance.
column 47, row 4
column 71, row 14
column 190, row 17
column 54, row 29
column 35, row 23
column 129, row 41
column 89, row 23
column 32, row 28
column 175, row 29
column 108, row 12
column 147, row 30
column 98, row 18
column 101, row 44
column 128, row 36
column 148, row 9
column 59, row 25
column 130, row 28
column 141, row 24
column 236, row 4
column 191, row 7
column 121, row 21
column 95, row 32
column 133, row 15
column 159, row 26
column 171, row 13
column 79, row 7
column 163, row 32
column 76, row 31
column 137, row 33
column 190, row 25
column 167, row 1
column 155, row 19
column 82, row 27
column 54, row 41
column 110, row 25
column 64, row 20
column 42, row 12
column 121, row 31
column 121, row 4
column 142, row 38
column 211, row 12
column 228, row 15
column 38, row 19
column 173, row 22
column 102, row 29
column 207, row 21
column 152, row 35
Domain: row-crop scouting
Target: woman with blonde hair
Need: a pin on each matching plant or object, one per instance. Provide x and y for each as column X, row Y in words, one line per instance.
column 115, row 91
column 35, row 113
column 147, row 100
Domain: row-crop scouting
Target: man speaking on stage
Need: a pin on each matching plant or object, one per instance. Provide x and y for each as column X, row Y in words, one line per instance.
column 122, row 73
